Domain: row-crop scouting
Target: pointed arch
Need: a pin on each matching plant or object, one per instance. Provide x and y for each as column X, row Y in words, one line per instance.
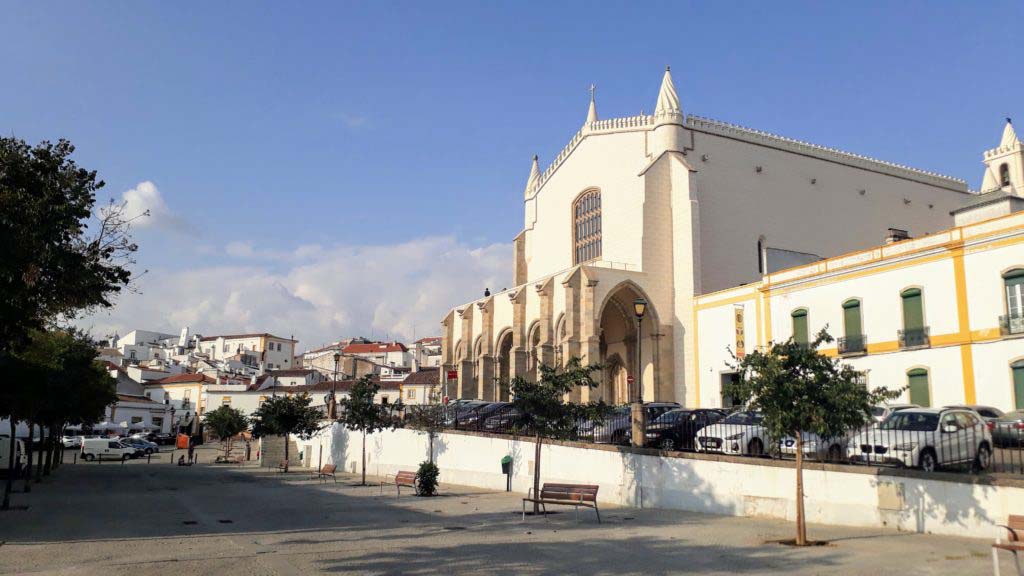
column 586, row 226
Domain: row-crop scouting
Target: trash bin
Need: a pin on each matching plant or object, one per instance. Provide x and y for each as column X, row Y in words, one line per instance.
column 506, row 465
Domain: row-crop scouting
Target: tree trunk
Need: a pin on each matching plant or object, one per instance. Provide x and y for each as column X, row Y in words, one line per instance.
column 801, row 526
column 364, row 458
column 286, row 462
column 50, row 447
column 39, row 465
column 10, row 469
column 536, row 474
column 430, row 435
column 28, row 450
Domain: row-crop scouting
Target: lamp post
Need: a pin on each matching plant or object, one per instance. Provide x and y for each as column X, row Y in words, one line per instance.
column 636, row 393
column 334, row 386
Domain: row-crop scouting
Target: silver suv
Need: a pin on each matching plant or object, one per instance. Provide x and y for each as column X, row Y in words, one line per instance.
column 925, row 438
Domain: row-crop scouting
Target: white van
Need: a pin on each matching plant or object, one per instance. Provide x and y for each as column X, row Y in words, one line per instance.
column 105, row 449
column 21, row 459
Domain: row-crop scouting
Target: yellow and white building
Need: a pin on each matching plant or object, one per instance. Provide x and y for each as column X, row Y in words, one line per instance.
column 941, row 315
column 667, row 207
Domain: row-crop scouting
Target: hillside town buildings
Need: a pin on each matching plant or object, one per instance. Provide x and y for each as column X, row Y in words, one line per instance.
column 688, row 218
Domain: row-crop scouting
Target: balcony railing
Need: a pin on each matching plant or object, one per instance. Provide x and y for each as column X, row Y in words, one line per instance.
column 854, row 344
column 1011, row 324
column 914, row 338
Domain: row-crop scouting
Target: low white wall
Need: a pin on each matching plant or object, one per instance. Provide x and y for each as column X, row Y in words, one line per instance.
column 848, row 498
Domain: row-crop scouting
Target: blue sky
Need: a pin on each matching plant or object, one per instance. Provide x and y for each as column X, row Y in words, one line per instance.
column 288, row 141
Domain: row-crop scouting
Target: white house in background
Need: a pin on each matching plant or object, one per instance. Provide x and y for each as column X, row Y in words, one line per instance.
column 258, row 351
column 184, row 394
column 427, row 353
column 140, row 345
column 296, row 377
column 942, row 314
column 663, row 208
column 394, row 354
column 139, row 413
column 422, row 387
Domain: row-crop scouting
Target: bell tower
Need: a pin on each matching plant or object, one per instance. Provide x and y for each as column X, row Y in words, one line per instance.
column 1004, row 165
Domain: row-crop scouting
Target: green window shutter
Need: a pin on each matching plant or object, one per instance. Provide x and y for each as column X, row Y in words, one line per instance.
column 1018, row 385
column 800, row 327
column 913, row 313
column 1014, row 281
column 917, row 381
column 851, row 318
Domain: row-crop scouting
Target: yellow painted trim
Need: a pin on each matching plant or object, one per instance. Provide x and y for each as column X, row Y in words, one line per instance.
column 759, row 320
column 726, row 301
column 830, row 352
column 766, row 294
column 844, row 276
column 967, row 362
column 953, row 339
column 986, row 334
column 882, row 347
column 696, row 362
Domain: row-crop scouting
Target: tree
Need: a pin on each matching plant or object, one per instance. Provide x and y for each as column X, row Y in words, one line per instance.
column 544, row 412
column 226, row 422
column 801, row 391
column 428, row 418
column 359, row 413
column 56, row 263
column 284, row 415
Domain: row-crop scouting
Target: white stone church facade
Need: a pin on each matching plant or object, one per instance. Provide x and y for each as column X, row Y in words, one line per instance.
column 667, row 207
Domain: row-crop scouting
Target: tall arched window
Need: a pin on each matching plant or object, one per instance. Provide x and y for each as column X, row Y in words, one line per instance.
column 1004, row 174
column 915, row 332
column 1013, row 282
column 586, row 214
column 852, row 341
column 800, row 333
column 1017, row 370
column 917, row 383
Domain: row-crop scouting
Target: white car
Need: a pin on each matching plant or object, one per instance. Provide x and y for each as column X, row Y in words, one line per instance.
column 105, row 449
column 925, row 438
column 739, row 433
column 71, row 441
column 880, row 413
column 830, row 449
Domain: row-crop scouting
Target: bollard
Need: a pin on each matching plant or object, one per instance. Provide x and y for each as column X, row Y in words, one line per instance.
column 149, row 458
column 76, row 458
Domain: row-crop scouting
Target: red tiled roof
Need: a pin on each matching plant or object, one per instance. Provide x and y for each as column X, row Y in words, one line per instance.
column 136, row 399
column 184, row 378
column 423, row 377
column 429, row 340
column 236, row 336
column 375, row 347
column 111, row 366
column 290, row 372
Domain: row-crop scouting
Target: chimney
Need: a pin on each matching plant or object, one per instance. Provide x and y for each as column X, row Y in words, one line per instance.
column 896, row 235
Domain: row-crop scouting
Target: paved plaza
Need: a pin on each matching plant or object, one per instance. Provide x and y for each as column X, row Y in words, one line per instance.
column 161, row 519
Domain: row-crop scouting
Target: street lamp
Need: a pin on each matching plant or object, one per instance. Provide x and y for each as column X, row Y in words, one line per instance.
column 334, row 385
column 637, row 406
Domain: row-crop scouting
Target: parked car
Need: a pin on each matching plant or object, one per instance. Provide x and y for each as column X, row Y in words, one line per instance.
column 20, row 456
column 987, row 413
column 460, row 410
column 105, row 449
column 739, row 433
column 880, row 413
column 1008, row 429
column 475, row 417
column 71, row 441
column 145, row 446
column 505, row 420
column 161, row 438
column 617, row 428
column 816, row 447
column 926, row 438
column 677, row 429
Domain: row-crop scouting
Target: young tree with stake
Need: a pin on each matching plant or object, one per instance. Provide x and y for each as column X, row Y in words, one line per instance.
column 800, row 391
column 285, row 415
column 226, row 422
column 359, row 413
column 545, row 414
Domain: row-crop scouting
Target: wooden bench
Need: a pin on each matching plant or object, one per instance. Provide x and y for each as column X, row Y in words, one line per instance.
column 327, row 471
column 575, row 495
column 1015, row 527
column 403, row 478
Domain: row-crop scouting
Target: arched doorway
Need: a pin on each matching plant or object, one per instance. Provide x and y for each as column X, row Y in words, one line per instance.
column 504, row 348
column 618, row 346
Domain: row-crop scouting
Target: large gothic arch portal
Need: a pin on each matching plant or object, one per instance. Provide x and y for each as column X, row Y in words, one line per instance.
column 617, row 327
column 504, row 348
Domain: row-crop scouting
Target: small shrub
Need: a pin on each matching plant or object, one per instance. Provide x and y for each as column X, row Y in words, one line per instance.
column 426, row 478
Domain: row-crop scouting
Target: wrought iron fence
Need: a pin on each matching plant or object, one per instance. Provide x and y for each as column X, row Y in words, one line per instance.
column 914, row 337
column 1011, row 324
column 854, row 344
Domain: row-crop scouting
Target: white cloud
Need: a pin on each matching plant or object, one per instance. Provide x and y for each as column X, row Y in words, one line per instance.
column 144, row 199
column 321, row 295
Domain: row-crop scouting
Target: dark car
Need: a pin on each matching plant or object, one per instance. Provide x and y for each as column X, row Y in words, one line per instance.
column 505, row 420
column 139, row 446
column 987, row 413
column 456, row 415
column 617, row 428
column 677, row 429
column 1008, row 429
column 474, row 419
column 161, row 438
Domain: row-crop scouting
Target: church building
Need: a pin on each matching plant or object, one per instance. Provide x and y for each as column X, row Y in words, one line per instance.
column 658, row 210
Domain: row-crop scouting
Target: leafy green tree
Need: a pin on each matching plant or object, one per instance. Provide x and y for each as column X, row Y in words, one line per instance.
column 360, row 413
column 284, row 415
column 544, row 412
column 226, row 422
column 801, row 391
